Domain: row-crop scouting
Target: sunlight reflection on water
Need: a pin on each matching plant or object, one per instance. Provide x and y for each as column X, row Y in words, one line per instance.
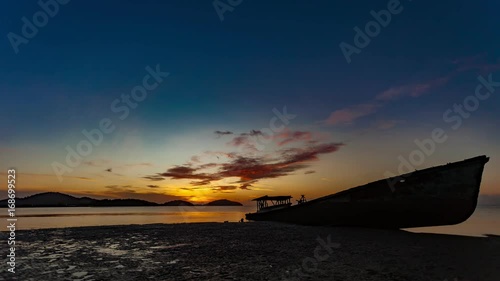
column 36, row 218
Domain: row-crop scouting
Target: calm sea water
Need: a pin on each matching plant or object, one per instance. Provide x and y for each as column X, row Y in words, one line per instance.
column 35, row 218
column 485, row 220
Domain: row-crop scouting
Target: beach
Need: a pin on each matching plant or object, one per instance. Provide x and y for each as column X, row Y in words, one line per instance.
column 250, row 251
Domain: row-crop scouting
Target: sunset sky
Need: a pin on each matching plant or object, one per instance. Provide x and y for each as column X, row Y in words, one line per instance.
column 262, row 102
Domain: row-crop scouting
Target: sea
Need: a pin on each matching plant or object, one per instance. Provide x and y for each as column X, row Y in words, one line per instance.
column 484, row 221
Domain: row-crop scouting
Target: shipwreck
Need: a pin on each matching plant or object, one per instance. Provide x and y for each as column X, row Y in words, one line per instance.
column 442, row 195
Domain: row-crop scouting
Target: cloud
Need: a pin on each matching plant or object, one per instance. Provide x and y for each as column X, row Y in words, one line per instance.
column 219, row 154
column 468, row 59
column 243, row 141
column 412, row 90
column 237, row 141
column 97, row 163
column 189, row 188
column 477, row 62
column 287, row 137
column 195, row 159
column 350, row 114
column 83, row 178
column 299, row 155
column 253, row 133
column 154, row 178
column 201, row 182
column 243, row 138
column 248, row 140
column 224, row 188
column 249, row 170
column 246, row 185
column 186, row 172
column 223, row 133
column 117, row 188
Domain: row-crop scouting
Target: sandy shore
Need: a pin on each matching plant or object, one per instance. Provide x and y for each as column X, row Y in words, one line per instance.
column 250, row 251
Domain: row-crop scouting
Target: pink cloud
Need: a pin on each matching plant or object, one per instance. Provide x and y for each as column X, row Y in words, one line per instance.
column 477, row 62
column 288, row 136
column 412, row 90
column 350, row 114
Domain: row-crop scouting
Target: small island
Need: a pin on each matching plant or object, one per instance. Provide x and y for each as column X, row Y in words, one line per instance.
column 178, row 203
column 223, row 202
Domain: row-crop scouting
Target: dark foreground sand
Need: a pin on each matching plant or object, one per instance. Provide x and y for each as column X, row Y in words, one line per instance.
column 250, row 251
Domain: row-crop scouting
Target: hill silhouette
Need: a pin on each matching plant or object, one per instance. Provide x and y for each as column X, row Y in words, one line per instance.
column 57, row 199
column 223, row 202
column 178, row 203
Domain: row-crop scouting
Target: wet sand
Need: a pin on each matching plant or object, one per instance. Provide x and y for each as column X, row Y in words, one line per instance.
column 250, row 251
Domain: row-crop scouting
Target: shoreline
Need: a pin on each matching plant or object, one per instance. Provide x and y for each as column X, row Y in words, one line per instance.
column 250, row 251
column 418, row 230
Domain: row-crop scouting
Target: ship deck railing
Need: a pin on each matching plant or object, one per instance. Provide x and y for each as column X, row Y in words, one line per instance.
column 276, row 201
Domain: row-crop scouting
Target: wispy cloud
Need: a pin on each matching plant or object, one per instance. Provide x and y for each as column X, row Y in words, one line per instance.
column 349, row 115
column 154, row 178
column 287, row 137
column 97, row 162
column 246, row 140
column 222, row 133
column 477, row 62
column 412, row 90
column 224, row 188
column 119, row 188
column 195, row 159
column 253, row 133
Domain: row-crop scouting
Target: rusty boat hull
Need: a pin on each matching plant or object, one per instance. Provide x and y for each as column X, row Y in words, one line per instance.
column 442, row 195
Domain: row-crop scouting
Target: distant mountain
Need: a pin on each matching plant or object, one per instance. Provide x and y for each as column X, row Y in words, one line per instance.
column 223, row 202
column 124, row 202
column 56, row 199
column 178, row 203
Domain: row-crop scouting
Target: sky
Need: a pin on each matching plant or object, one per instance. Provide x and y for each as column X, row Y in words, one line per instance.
column 203, row 100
